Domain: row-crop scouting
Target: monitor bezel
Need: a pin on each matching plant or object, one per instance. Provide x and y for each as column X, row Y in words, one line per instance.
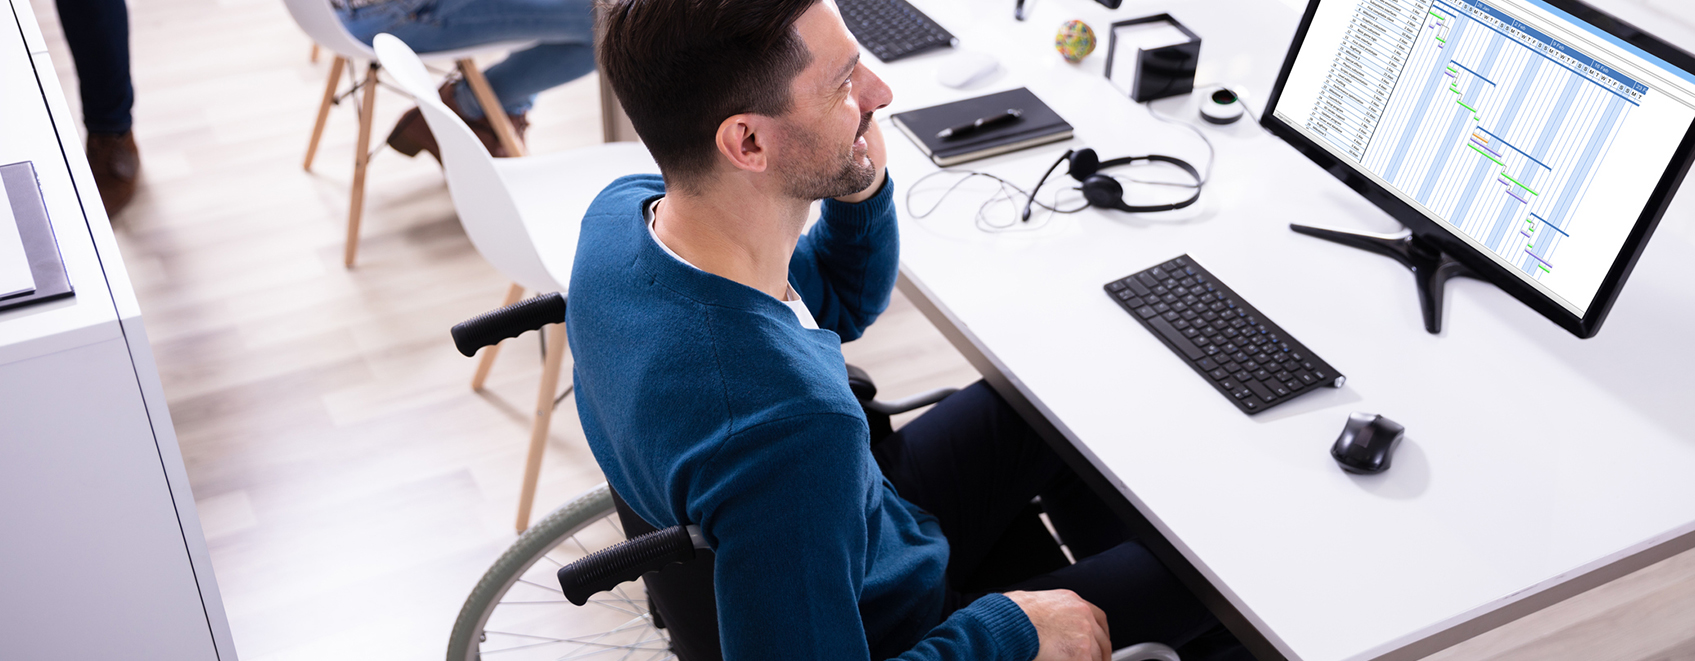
column 1485, row 267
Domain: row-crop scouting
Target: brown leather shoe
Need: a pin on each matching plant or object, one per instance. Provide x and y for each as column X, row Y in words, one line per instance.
column 116, row 165
column 412, row 135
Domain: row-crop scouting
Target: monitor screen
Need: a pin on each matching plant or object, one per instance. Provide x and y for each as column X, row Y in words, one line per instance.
column 1534, row 137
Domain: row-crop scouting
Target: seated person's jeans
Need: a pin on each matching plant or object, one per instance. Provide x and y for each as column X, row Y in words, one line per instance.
column 564, row 28
column 975, row 464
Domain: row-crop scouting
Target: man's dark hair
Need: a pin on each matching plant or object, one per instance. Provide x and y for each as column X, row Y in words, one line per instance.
column 680, row 67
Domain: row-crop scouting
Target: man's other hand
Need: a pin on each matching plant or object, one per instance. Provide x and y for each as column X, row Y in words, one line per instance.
column 1069, row 628
column 879, row 156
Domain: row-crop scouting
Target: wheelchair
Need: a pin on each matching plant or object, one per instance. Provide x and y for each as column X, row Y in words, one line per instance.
column 568, row 587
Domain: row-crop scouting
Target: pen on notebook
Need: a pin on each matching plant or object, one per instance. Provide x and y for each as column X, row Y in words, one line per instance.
column 1011, row 115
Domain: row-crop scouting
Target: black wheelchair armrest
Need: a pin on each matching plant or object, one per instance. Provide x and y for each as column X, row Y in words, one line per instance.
column 491, row 327
column 903, row 405
column 628, row 560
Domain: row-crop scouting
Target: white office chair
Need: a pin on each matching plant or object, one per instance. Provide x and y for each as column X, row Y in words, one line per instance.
column 522, row 215
column 320, row 22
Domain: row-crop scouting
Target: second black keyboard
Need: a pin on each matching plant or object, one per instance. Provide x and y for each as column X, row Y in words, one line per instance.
column 892, row 29
column 1241, row 353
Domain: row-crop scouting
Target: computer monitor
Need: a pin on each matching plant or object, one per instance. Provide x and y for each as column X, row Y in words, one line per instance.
column 1532, row 144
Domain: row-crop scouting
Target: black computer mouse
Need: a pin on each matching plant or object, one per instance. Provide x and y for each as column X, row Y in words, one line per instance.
column 1367, row 443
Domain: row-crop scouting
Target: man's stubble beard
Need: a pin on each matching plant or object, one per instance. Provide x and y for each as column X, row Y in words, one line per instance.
column 837, row 175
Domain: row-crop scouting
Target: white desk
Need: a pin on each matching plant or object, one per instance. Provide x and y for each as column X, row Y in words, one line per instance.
column 1536, row 465
column 101, row 553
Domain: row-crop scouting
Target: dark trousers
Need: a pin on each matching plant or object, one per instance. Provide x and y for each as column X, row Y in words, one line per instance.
column 975, row 464
column 98, row 33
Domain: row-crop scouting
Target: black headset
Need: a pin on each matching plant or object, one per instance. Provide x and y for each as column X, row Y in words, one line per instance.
column 1104, row 191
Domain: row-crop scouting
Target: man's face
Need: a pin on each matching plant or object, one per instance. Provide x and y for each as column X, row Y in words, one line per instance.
column 825, row 152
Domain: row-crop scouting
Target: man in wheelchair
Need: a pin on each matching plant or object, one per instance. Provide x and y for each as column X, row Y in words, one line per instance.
column 707, row 330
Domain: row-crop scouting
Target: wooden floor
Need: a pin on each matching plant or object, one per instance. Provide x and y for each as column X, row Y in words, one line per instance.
column 351, row 486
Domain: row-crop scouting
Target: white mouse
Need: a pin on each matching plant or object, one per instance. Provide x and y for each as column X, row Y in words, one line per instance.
column 966, row 68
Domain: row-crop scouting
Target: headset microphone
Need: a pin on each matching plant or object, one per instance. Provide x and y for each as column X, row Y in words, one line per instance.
column 1027, row 204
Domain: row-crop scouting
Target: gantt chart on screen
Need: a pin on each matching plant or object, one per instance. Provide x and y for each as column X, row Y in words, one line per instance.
column 1533, row 139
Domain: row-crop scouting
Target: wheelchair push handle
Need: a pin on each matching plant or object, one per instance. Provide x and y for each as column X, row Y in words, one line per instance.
column 491, row 327
column 627, row 561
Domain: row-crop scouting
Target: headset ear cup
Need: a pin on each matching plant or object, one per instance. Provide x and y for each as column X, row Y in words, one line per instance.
column 1103, row 192
column 1084, row 164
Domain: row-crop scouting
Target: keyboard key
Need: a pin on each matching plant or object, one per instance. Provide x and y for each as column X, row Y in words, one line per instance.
column 1229, row 385
column 1147, row 280
column 1135, row 302
column 1116, row 285
column 1261, row 374
column 1176, row 338
column 1168, row 314
column 1240, row 392
column 1178, row 322
column 1138, row 287
column 1282, row 376
column 1279, row 390
column 1242, row 375
column 1250, row 404
column 1189, row 332
column 1218, row 374
column 1293, row 385
column 1200, row 340
column 1125, row 295
column 1306, row 377
column 1146, row 311
column 1239, row 357
column 1157, row 273
column 1260, row 389
column 1208, row 364
column 1161, row 307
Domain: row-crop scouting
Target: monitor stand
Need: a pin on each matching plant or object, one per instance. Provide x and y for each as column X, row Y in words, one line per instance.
column 1430, row 266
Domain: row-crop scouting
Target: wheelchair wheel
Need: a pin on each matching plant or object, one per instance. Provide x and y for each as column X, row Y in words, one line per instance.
column 516, row 612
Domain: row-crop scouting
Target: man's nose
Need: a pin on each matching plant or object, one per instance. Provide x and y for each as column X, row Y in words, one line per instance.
column 876, row 94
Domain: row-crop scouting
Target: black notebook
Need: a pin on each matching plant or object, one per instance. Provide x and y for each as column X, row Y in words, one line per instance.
column 29, row 212
column 1038, row 125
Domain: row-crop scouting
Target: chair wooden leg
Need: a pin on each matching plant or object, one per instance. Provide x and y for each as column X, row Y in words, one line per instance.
column 314, row 53
column 324, row 108
column 491, row 108
column 361, row 158
column 544, row 416
column 486, row 361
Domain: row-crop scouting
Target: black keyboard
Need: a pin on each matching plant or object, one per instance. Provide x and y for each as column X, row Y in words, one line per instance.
column 892, row 29
column 1234, row 347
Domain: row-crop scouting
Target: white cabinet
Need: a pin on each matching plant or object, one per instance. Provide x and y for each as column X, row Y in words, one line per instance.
column 101, row 553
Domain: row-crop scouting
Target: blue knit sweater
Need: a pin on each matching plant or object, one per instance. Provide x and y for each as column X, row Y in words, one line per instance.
column 705, row 401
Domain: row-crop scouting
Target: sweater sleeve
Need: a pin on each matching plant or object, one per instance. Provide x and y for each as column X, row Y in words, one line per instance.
column 844, row 268
column 787, row 521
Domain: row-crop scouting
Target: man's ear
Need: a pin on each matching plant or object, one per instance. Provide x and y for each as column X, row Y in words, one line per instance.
column 743, row 140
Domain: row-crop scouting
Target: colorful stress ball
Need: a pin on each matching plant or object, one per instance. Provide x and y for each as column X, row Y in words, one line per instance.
column 1075, row 41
